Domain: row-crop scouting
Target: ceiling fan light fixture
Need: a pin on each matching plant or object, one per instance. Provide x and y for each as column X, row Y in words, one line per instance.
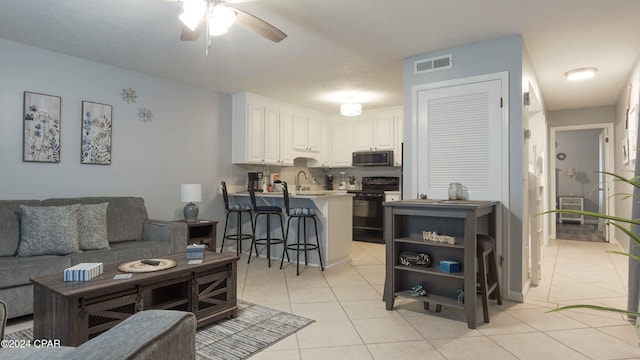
column 581, row 74
column 215, row 28
column 223, row 15
column 193, row 12
column 351, row 109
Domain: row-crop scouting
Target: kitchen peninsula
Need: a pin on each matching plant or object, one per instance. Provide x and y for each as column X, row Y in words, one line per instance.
column 334, row 214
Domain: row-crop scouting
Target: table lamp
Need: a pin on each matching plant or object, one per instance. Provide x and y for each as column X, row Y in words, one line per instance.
column 191, row 193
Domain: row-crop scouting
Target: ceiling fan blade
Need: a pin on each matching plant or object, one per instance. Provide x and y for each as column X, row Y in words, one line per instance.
column 190, row 35
column 259, row 26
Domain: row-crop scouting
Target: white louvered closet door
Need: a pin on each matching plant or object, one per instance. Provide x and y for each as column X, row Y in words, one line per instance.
column 460, row 140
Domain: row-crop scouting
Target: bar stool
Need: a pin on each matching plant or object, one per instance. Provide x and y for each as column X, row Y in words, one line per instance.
column 298, row 246
column 487, row 276
column 268, row 240
column 237, row 209
column 487, row 273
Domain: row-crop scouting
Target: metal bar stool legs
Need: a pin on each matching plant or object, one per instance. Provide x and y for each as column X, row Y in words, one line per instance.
column 268, row 240
column 301, row 244
column 238, row 236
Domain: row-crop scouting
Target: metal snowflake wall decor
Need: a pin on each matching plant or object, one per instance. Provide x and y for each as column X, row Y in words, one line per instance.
column 145, row 115
column 129, row 95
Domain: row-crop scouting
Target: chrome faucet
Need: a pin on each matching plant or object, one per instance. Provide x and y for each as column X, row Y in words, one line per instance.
column 298, row 179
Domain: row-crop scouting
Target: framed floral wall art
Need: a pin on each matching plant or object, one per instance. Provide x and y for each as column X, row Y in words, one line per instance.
column 41, row 128
column 96, row 133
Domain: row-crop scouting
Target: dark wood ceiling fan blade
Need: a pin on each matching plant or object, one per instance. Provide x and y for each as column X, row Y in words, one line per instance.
column 259, row 26
column 190, row 35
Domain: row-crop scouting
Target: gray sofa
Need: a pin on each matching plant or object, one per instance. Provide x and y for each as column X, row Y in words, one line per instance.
column 131, row 235
column 146, row 335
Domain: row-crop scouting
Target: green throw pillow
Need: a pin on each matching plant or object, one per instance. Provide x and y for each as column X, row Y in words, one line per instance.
column 92, row 226
column 48, row 230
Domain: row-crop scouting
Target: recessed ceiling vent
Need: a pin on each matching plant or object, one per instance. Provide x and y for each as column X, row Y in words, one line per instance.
column 433, row 64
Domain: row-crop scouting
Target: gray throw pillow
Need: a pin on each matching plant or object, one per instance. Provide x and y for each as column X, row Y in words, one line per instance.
column 92, row 226
column 48, row 230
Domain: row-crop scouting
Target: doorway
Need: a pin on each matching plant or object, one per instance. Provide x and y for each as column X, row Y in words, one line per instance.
column 577, row 157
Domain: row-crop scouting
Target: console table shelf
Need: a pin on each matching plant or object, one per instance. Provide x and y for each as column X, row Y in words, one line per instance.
column 404, row 223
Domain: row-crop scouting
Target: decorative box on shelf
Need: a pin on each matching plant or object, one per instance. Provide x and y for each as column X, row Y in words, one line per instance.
column 449, row 266
column 195, row 252
column 83, row 271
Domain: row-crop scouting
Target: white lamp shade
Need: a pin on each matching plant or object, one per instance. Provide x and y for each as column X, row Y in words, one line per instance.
column 191, row 192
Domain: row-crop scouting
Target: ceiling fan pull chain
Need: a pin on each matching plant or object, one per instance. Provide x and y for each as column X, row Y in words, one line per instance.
column 207, row 41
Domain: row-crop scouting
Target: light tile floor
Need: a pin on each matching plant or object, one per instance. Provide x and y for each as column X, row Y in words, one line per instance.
column 351, row 321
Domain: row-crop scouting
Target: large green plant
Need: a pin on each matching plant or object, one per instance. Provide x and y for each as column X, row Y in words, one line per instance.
column 621, row 223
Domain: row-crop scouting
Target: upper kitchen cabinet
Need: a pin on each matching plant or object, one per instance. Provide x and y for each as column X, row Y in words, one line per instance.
column 342, row 147
column 398, row 118
column 261, row 132
column 375, row 132
column 306, row 133
column 286, row 138
column 325, row 156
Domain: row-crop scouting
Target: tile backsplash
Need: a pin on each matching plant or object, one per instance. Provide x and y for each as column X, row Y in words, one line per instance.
column 289, row 173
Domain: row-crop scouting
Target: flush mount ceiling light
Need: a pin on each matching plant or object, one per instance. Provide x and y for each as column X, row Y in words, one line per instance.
column 581, row 74
column 351, row 108
column 218, row 18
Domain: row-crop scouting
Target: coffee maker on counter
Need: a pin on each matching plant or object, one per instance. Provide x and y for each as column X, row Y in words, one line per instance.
column 255, row 181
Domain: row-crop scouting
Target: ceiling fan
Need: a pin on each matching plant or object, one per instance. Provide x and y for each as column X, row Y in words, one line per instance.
column 217, row 17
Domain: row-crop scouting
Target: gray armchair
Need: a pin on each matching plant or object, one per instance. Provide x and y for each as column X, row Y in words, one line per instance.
column 146, row 335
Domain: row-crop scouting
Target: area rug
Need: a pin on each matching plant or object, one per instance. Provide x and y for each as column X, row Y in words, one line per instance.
column 254, row 329
column 582, row 232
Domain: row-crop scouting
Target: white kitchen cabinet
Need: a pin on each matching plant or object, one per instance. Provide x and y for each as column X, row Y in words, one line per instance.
column 259, row 135
column 398, row 125
column 375, row 133
column 272, row 136
column 342, row 147
column 325, row 155
column 254, row 139
column 306, row 133
column 286, row 138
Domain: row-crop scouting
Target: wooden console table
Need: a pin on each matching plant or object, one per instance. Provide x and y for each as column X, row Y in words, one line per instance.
column 75, row 312
column 405, row 221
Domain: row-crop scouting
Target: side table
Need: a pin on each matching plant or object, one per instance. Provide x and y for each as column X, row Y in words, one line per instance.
column 202, row 232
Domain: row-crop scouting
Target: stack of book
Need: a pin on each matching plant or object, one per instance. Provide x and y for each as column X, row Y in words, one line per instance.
column 83, row 271
column 195, row 252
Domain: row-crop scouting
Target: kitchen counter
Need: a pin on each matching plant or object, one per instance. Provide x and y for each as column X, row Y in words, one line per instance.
column 303, row 194
column 335, row 220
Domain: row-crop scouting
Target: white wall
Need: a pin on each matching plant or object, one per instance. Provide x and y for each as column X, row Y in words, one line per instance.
column 623, row 206
column 188, row 140
column 494, row 56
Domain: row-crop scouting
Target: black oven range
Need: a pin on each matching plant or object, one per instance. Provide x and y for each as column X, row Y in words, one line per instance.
column 368, row 219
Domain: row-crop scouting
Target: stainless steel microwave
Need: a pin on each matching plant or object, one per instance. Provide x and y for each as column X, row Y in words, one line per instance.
column 372, row 158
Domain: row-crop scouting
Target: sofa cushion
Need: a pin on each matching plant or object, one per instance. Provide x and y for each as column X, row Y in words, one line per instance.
column 10, row 224
column 48, row 230
column 92, row 226
column 125, row 215
column 16, row 271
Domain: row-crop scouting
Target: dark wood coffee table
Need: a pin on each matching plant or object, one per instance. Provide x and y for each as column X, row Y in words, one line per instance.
column 75, row 312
